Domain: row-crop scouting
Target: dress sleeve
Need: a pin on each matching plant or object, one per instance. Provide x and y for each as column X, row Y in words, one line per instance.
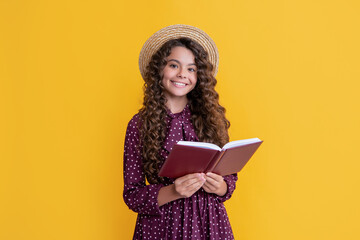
column 138, row 196
column 231, row 184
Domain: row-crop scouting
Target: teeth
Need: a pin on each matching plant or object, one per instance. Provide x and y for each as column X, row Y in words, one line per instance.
column 179, row 84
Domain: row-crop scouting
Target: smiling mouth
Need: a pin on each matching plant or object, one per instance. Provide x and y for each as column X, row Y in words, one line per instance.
column 179, row 84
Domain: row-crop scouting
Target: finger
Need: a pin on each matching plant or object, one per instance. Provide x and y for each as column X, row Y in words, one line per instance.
column 209, row 187
column 190, row 192
column 196, row 186
column 188, row 176
column 215, row 176
column 206, row 189
column 193, row 181
column 189, row 184
column 212, row 182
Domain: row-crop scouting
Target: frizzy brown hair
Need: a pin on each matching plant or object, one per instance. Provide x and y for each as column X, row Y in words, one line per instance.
column 208, row 116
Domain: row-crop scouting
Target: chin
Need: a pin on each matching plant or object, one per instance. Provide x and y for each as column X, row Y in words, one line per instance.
column 178, row 93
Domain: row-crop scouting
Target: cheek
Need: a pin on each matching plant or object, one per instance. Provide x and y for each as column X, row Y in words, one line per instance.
column 163, row 82
column 195, row 80
column 194, row 84
column 166, row 75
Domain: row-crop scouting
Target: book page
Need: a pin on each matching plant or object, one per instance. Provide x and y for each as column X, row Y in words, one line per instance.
column 240, row 143
column 200, row 145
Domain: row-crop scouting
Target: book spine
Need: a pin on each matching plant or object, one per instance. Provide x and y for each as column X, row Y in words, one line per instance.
column 214, row 161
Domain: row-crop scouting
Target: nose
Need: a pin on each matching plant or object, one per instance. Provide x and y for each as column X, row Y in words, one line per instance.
column 182, row 73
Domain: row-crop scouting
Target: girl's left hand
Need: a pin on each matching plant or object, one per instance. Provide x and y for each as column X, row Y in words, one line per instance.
column 215, row 184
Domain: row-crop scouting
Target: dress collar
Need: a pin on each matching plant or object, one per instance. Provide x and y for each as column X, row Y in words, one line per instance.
column 179, row 128
column 184, row 115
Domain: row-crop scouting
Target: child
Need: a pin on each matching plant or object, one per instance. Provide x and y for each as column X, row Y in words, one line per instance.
column 178, row 64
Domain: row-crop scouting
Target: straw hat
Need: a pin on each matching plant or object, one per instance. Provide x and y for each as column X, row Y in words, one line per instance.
column 176, row 31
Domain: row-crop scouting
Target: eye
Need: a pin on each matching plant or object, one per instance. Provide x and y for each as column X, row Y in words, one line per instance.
column 192, row 69
column 173, row 66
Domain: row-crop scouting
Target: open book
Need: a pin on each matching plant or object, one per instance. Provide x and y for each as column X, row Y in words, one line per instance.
column 200, row 157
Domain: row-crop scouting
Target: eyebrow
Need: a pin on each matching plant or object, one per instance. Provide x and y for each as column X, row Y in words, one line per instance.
column 179, row 62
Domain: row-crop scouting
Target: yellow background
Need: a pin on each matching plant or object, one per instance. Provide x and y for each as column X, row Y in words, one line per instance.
column 288, row 74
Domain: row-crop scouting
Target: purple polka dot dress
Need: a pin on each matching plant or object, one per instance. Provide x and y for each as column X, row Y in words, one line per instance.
column 201, row 216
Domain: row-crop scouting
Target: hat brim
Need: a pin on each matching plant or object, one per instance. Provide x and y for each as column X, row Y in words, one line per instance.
column 153, row 44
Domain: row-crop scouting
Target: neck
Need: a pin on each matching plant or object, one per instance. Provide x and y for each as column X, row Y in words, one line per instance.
column 176, row 104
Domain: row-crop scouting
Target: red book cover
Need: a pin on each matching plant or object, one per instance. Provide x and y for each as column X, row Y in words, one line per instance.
column 197, row 157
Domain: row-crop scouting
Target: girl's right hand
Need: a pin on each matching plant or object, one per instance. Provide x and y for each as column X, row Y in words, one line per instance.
column 187, row 185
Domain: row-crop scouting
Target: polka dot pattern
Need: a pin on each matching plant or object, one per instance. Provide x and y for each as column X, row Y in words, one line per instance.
column 201, row 216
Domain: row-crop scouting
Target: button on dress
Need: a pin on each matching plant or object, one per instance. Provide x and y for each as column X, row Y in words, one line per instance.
column 201, row 216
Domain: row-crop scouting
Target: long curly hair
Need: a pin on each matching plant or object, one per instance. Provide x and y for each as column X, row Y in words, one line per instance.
column 208, row 116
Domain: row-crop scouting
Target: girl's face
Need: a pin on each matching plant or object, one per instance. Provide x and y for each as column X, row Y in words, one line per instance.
column 179, row 74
